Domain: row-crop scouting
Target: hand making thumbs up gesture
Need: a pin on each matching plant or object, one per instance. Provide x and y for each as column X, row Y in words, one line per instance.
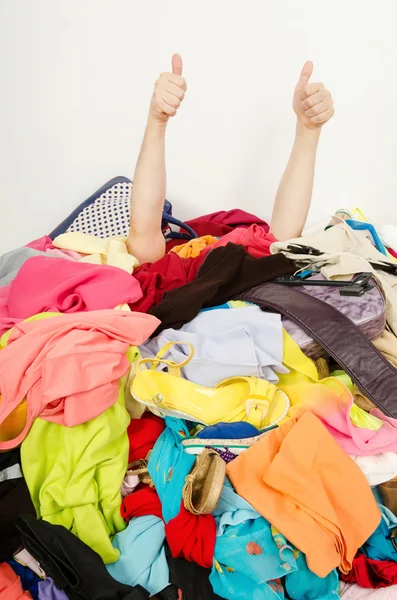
column 168, row 93
column 312, row 103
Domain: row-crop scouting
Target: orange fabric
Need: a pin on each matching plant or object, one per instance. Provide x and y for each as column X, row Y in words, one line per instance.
column 303, row 483
column 193, row 248
column 10, row 585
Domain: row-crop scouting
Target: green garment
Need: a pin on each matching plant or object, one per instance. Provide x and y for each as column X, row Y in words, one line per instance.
column 74, row 474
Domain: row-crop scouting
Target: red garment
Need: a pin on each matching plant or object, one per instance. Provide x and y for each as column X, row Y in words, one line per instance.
column 224, row 221
column 255, row 240
column 192, row 537
column 143, row 433
column 10, row 584
column 166, row 274
column 369, row 573
column 143, row 501
column 393, row 252
column 59, row 285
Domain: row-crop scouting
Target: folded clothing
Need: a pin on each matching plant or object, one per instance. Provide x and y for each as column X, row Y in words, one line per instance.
column 226, row 272
column 10, row 584
column 63, row 286
column 74, row 476
column 69, row 366
column 72, row 565
column 317, row 498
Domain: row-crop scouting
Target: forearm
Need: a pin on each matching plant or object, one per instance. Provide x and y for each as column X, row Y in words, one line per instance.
column 294, row 193
column 149, row 187
column 145, row 239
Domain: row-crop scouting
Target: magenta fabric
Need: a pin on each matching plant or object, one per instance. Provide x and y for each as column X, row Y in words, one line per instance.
column 393, row 252
column 69, row 366
column 354, row 440
column 44, row 285
column 6, row 322
column 255, row 240
column 44, row 244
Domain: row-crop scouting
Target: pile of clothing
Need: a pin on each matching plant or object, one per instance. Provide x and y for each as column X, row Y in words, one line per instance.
column 166, row 433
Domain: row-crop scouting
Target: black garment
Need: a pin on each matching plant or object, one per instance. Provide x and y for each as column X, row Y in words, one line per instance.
column 14, row 501
column 74, row 567
column 226, row 272
column 189, row 577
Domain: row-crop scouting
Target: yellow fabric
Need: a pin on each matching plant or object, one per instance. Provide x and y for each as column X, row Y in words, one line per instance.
column 193, row 248
column 304, row 388
column 108, row 251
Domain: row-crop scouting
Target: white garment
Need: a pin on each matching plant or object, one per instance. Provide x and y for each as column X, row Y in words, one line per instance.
column 227, row 343
column 354, row 592
column 378, row 468
column 346, row 252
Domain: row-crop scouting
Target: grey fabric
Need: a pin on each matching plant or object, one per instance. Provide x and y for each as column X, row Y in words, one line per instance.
column 227, row 343
column 12, row 261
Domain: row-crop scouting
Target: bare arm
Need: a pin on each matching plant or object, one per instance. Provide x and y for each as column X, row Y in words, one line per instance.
column 313, row 106
column 145, row 239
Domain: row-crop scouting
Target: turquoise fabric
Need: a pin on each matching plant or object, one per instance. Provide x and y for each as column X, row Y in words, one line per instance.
column 379, row 546
column 247, row 557
column 142, row 556
column 169, row 465
column 305, row 585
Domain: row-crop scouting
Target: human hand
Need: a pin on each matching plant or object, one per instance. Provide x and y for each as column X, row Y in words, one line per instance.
column 313, row 103
column 169, row 91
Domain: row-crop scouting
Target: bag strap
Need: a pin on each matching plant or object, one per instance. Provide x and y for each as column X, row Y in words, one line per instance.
column 338, row 335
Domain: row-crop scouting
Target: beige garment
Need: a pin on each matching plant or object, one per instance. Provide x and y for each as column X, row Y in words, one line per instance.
column 346, row 252
column 387, row 344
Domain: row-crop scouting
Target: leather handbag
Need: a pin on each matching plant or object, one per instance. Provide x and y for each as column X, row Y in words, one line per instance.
column 368, row 312
column 338, row 335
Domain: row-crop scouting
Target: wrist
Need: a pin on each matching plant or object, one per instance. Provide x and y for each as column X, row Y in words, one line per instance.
column 312, row 136
column 155, row 126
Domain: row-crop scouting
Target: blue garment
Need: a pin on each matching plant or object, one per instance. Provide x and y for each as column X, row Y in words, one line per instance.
column 142, row 555
column 169, row 465
column 303, row 584
column 379, row 546
column 246, row 555
column 229, row 431
column 29, row 580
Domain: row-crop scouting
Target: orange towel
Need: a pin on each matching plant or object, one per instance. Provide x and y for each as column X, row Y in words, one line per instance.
column 303, row 483
column 193, row 248
column 10, row 584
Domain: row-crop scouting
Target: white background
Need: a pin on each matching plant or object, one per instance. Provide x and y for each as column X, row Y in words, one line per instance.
column 76, row 79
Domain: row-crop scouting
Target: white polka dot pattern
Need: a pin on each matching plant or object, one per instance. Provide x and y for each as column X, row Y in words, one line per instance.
column 108, row 215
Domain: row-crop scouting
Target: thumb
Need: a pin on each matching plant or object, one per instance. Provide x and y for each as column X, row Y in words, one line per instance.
column 177, row 64
column 305, row 75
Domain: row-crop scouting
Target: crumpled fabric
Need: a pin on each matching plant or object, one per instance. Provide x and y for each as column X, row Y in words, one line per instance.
column 188, row 535
column 379, row 545
column 224, row 221
column 143, row 501
column 10, row 585
column 369, row 573
column 355, row 592
column 74, row 475
column 142, row 555
column 194, row 247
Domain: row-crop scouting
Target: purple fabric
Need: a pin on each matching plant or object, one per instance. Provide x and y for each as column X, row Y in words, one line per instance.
column 225, row 454
column 48, row 591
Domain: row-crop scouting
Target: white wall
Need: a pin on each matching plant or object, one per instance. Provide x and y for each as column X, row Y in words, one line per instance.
column 76, row 78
